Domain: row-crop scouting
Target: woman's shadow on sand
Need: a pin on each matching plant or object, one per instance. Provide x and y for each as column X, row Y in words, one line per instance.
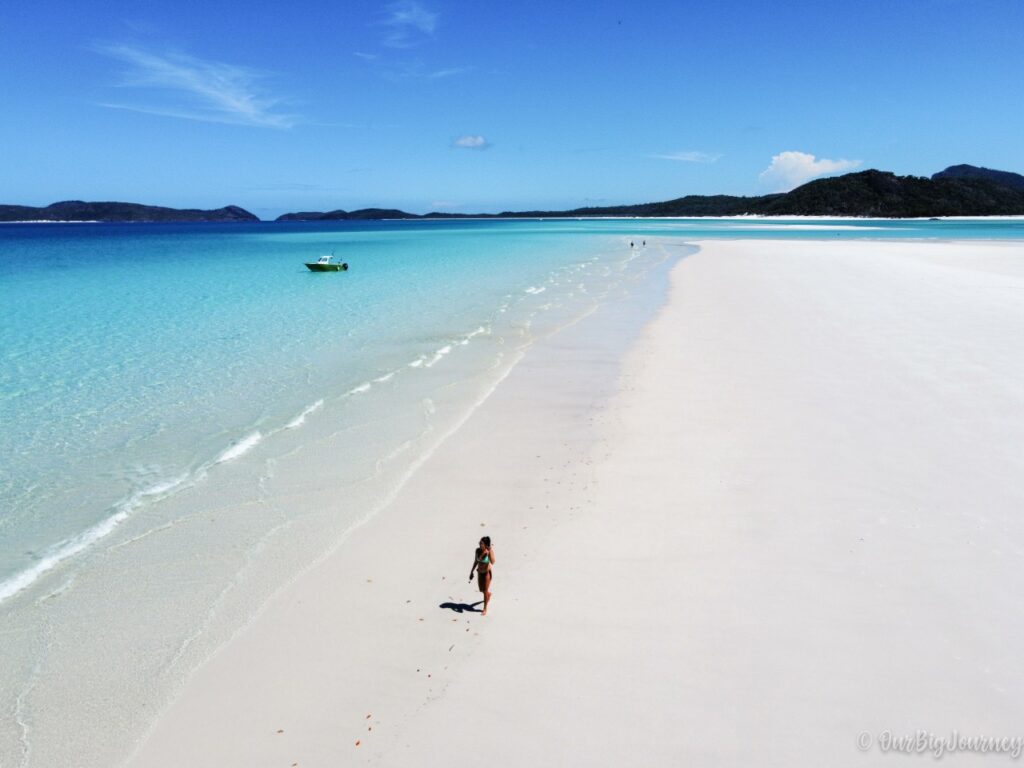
column 462, row 607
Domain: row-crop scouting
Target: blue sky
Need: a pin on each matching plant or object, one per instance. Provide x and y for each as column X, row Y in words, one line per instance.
column 467, row 107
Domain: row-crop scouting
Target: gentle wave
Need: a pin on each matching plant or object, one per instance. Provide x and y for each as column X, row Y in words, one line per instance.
column 472, row 335
column 70, row 547
column 299, row 420
column 121, row 512
column 438, row 355
column 535, row 290
column 240, row 448
column 82, row 541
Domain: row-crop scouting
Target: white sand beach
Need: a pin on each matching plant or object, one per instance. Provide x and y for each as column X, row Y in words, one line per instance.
column 797, row 519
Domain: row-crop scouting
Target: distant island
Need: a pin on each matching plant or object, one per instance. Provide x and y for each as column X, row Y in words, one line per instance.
column 959, row 190
column 361, row 214
column 76, row 210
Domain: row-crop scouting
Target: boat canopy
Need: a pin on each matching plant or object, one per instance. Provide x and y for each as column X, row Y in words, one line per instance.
column 324, row 260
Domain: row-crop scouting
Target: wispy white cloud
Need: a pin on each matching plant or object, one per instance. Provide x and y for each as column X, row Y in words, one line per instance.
column 418, row 71
column 791, row 169
column 471, row 142
column 690, row 156
column 439, row 73
column 408, row 23
column 183, row 86
column 408, row 70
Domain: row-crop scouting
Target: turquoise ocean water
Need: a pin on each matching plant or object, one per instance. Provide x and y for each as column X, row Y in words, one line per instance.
column 166, row 391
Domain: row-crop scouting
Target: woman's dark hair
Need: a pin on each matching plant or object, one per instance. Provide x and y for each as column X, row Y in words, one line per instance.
column 486, row 540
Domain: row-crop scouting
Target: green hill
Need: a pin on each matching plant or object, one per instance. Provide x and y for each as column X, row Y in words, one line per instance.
column 1006, row 178
column 77, row 210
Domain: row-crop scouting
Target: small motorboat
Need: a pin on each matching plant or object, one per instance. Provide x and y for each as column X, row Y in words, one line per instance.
column 324, row 264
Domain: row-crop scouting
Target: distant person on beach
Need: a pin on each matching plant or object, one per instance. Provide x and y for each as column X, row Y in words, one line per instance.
column 482, row 562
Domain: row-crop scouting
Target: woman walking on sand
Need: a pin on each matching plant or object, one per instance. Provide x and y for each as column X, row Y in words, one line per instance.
column 482, row 562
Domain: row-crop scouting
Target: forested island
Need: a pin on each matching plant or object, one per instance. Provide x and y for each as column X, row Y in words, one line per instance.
column 77, row 210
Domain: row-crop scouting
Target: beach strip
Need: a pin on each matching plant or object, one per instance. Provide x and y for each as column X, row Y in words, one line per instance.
column 794, row 522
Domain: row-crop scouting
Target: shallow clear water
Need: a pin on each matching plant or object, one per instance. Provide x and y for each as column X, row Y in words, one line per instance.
column 167, row 391
column 134, row 357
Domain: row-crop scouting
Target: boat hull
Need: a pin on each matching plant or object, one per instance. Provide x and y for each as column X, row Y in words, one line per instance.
column 327, row 267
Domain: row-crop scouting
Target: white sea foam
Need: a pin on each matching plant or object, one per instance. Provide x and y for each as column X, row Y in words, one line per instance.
column 472, row 335
column 82, row 541
column 385, row 377
column 158, row 489
column 359, row 390
column 438, row 355
column 534, row 289
column 239, row 448
column 299, row 420
column 418, row 362
column 72, row 546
